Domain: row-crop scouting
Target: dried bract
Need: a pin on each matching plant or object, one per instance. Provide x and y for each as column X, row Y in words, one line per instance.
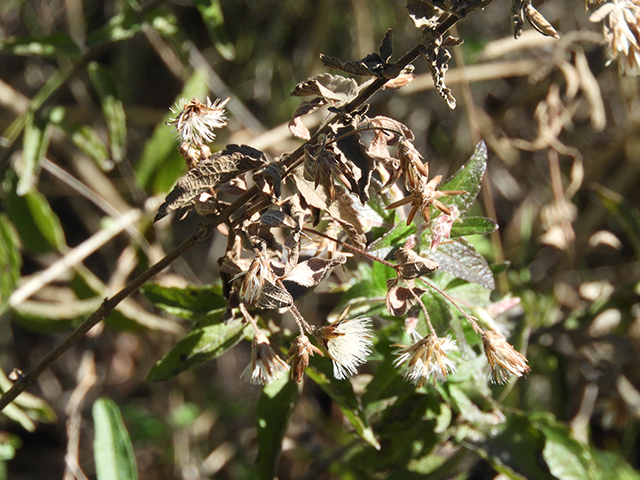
column 424, row 195
column 196, row 121
column 425, row 358
column 504, row 360
column 299, row 352
column 265, row 365
column 411, row 265
column 348, row 342
column 622, row 33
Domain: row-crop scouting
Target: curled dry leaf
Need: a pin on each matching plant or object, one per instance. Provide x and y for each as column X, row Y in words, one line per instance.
column 336, row 89
column 411, row 265
column 400, row 299
column 373, row 64
column 311, row 272
column 437, row 58
column 296, row 127
column 272, row 297
column 210, row 174
column 276, row 218
column 541, row 24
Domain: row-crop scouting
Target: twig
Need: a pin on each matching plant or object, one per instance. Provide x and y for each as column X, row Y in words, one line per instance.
column 205, row 230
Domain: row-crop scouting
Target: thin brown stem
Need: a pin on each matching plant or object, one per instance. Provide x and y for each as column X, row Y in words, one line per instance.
column 205, row 230
column 423, row 308
column 472, row 321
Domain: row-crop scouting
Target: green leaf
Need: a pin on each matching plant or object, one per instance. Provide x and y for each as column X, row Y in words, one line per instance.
column 112, row 447
column 275, row 406
column 38, row 226
column 624, row 212
column 612, row 465
column 392, row 240
column 341, row 392
column 199, row 346
column 461, row 260
column 35, row 143
column 56, row 45
column 160, row 153
column 105, row 84
column 192, row 302
column 121, row 27
column 47, row 317
column 10, row 261
column 473, row 226
column 86, row 139
column 468, row 178
column 566, row 457
column 214, row 20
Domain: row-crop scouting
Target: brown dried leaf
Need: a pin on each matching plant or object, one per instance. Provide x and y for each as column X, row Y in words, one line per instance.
column 209, row 174
column 541, row 24
column 336, row 89
column 400, row 299
column 272, row 297
column 412, row 265
column 437, row 58
column 311, row 272
column 355, row 157
column 276, row 218
column 591, row 90
column 341, row 209
column 296, row 127
column 424, row 14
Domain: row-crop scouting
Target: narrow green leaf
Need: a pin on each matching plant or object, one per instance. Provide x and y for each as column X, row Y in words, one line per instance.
column 199, row 346
column 275, row 406
column 46, row 317
column 341, row 392
column 86, row 139
column 10, row 261
column 624, row 212
column 214, row 20
column 192, row 302
column 473, row 226
column 112, row 447
column 121, row 27
column 56, row 45
column 160, row 153
column 468, row 178
column 105, row 85
column 35, row 143
column 461, row 260
column 38, row 226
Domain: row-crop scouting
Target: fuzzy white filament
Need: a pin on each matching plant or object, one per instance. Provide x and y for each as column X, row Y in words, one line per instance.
column 196, row 121
column 349, row 344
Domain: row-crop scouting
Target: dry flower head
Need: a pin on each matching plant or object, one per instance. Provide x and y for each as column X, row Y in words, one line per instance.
column 504, row 360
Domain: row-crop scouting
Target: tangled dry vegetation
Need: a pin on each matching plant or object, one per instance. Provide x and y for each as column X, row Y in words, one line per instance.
column 414, row 265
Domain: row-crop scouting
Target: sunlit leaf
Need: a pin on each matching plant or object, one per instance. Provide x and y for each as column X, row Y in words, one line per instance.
column 123, row 26
column 392, row 240
column 473, row 226
column 47, row 317
column 35, row 143
column 112, row 449
column 10, row 261
column 199, row 346
column 468, row 178
column 461, row 260
column 274, row 408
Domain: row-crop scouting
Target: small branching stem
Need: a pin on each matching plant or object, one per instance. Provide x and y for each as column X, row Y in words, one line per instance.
column 423, row 308
column 203, row 232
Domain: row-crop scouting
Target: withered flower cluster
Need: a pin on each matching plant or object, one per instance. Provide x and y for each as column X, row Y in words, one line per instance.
column 271, row 244
column 621, row 25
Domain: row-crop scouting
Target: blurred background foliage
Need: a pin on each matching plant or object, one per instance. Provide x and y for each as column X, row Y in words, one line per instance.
column 86, row 158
